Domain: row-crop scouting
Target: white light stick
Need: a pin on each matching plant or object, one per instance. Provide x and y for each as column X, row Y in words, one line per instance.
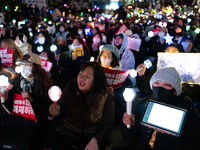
column 147, row 64
column 129, row 95
column 17, row 69
column 92, row 59
column 54, row 94
column 3, row 83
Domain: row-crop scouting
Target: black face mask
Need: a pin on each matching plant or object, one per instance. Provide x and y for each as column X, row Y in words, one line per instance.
column 69, row 42
column 119, row 46
column 163, row 95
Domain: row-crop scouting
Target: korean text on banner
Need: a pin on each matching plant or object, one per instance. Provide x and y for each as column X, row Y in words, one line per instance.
column 78, row 51
column 46, row 65
column 115, row 78
column 6, row 56
column 22, row 107
column 122, row 29
column 134, row 44
column 187, row 65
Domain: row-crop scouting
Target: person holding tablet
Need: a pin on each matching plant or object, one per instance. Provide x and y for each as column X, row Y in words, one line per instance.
column 166, row 88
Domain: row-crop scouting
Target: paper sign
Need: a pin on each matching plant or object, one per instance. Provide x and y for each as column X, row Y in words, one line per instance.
column 115, row 78
column 134, row 44
column 187, row 65
column 122, row 29
column 102, row 28
column 46, row 65
column 22, row 107
column 6, row 56
column 78, row 50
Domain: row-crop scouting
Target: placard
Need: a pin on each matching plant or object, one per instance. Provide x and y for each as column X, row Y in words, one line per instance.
column 115, row 78
column 78, row 50
column 46, row 65
column 187, row 65
column 6, row 56
column 122, row 29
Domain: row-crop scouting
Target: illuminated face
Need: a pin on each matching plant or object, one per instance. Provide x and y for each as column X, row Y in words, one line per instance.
column 85, row 79
column 163, row 84
column 106, row 54
column 171, row 49
column 118, row 40
column 75, row 42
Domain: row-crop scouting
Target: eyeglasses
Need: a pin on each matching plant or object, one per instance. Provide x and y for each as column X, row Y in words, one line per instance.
column 120, row 35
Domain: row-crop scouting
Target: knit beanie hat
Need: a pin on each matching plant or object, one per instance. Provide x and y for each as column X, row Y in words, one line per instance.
column 112, row 49
column 169, row 75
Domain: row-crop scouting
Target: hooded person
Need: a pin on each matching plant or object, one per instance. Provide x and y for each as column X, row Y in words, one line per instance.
column 126, row 57
column 166, row 88
column 22, row 42
column 187, row 43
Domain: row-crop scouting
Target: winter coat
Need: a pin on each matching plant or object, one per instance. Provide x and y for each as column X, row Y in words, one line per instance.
column 87, row 115
column 138, row 136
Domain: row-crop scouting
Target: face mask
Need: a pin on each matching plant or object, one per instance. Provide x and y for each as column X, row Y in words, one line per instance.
column 80, row 32
column 119, row 46
column 62, row 29
column 163, row 95
column 69, row 42
column 41, row 40
column 104, row 39
column 96, row 40
column 26, row 71
column 105, row 62
column 161, row 34
column 71, row 26
column 29, row 29
column 20, row 43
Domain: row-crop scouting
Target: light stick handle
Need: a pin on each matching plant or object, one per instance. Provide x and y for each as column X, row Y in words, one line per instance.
column 139, row 69
column 128, row 110
column 2, row 91
column 55, row 103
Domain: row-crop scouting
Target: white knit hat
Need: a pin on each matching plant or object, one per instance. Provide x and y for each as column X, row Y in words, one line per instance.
column 169, row 75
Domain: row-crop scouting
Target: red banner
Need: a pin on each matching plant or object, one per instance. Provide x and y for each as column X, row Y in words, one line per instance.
column 6, row 56
column 115, row 78
column 122, row 29
column 22, row 107
column 46, row 65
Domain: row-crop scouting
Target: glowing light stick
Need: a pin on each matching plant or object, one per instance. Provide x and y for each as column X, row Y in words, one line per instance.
column 129, row 95
column 17, row 69
column 150, row 34
column 147, row 64
column 92, row 59
column 54, row 94
column 53, row 48
column 3, row 83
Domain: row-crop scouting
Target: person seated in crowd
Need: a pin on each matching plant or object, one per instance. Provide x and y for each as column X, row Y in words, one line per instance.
column 22, row 42
column 81, row 49
column 17, row 54
column 108, row 58
column 88, row 102
column 61, row 35
column 32, row 86
column 166, row 88
column 126, row 57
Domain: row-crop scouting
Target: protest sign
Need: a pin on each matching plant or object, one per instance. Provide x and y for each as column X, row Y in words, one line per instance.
column 115, row 78
column 187, row 65
column 6, row 56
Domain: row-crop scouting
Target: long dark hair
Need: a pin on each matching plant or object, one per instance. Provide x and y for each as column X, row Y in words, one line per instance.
column 42, row 81
column 114, row 63
column 100, row 84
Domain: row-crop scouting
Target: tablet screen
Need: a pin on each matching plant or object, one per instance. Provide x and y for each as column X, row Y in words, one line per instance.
column 164, row 116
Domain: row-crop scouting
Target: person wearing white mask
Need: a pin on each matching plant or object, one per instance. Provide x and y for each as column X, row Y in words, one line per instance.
column 105, row 38
column 61, row 35
column 80, row 32
column 97, row 42
column 22, row 43
column 31, row 89
column 161, row 33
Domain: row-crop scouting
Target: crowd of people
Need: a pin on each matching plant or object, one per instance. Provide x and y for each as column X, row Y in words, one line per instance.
column 89, row 108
